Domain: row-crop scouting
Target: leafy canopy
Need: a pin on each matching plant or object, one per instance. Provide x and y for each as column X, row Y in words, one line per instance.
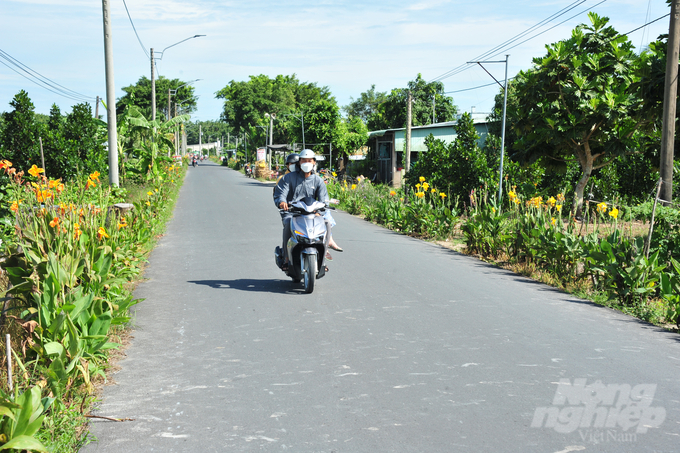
column 578, row 101
column 139, row 95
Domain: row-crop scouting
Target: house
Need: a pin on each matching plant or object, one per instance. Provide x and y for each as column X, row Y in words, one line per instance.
column 388, row 145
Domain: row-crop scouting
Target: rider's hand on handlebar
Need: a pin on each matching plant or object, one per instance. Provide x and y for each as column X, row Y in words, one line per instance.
column 283, row 205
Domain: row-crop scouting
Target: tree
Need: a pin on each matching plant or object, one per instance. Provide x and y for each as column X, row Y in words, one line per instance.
column 577, row 102
column 212, row 131
column 454, row 168
column 367, row 104
column 139, row 95
column 246, row 102
column 19, row 138
column 391, row 113
column 351, row 136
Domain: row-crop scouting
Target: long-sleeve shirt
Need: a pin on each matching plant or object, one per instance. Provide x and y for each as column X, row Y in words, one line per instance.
column 294, row 186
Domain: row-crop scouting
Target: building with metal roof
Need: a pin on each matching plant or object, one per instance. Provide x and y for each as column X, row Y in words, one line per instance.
column 389, row 144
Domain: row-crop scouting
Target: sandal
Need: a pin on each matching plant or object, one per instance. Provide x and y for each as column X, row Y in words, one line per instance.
column 328, row 256
column 335, row 247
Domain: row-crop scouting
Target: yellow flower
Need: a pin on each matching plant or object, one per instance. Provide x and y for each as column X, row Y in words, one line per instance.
column 354, row 186
column 425, row 186
column 148, row 204
column 553, row 221
column 418, row 186
column 515, row 200
column 434, row 190
column 122, row 225
column 551, row 202
column 156, row 190
column 442, row 194
column 602, row 207
column 101, row 233
column 493, row 210
column 614, row 212
column 420, row 194
column 5, row 164
column 421, row 179
column 512, row 195
column 560, row 197
column 35, row 171
column 149, row 193
column 55, row 222
column 558, row 207
column 334, row 174
column 76, row 231
column 392, row 193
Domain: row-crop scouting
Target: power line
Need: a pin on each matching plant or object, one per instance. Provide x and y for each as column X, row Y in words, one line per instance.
column 40, row 79
column 501, row 47
column 135, row 30
column 622, row 34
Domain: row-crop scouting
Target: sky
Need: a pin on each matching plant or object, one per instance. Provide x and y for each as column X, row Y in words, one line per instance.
column 345, row 45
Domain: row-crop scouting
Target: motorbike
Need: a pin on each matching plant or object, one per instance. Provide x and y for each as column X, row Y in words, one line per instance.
column 249, row 171
column 308, row 243
column 193, row 162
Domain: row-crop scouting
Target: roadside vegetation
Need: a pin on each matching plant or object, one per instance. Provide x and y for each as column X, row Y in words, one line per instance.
column 72, row 249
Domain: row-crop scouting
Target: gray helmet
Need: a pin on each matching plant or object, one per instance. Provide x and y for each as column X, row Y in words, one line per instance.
column 292, row 158
column 307, row 154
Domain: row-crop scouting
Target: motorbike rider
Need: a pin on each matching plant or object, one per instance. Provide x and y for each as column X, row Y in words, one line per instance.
column 298, row 184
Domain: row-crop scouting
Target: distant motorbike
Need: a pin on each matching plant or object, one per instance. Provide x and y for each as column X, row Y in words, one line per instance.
column 249, row 171
column 194, row 162
column 308, row 244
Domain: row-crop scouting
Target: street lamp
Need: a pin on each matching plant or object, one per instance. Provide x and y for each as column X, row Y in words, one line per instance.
column 153, row 80
column 505, row 104
column 173, row 93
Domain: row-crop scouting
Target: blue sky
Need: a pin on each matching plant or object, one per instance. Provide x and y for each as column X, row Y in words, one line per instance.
column 345, row 45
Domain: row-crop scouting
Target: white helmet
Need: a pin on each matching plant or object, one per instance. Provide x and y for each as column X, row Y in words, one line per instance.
column 307, row 154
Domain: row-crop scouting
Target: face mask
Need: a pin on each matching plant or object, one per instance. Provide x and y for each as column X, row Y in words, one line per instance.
column 307, row 167
column 291, row 167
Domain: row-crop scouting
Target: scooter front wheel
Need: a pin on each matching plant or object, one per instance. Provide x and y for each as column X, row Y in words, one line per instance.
column 310, row 273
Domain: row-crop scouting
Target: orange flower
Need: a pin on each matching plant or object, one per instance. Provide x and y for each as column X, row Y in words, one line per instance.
column 76, row 231
column 5, row 164
column 393, row 193
column 94, row 176
column 60, row 188
column 101, row 233
column 35, row 171
column 90, row 183
column 123, row 224
column 55, row 222
column 15, row 206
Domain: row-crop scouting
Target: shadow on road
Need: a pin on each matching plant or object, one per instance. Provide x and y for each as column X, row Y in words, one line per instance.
column 259, row 286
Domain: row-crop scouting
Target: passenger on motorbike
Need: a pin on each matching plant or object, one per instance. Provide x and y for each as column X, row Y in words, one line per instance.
column 298, row 184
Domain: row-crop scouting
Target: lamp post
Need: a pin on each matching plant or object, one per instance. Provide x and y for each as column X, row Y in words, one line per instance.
column 153, row 80
column 174, row 93
column 505, row 103
column 272, row 117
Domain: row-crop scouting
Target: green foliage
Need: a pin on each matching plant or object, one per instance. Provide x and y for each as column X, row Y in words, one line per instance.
column 366, row 106
column 456, row 168
column 72, row 145
column 666, row 232
column 246, row 102
column 425, row 213
column 139, row 95
column 391, row 111
column 20, row 419
column 578, row 102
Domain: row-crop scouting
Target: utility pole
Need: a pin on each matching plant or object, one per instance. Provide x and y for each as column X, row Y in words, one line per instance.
column 669, row 105
column 200, row 139
column 110, row 96
column 433, row 108
column 96, row 108
column 153, row 89
column 407, row 165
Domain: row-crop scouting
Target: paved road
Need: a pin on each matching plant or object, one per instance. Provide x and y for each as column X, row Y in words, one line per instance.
column 402, row 347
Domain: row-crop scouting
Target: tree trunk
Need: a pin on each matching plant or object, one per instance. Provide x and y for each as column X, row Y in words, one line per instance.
column 586, row 161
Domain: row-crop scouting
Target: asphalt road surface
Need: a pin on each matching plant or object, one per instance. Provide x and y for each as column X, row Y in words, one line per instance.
column 402, row 347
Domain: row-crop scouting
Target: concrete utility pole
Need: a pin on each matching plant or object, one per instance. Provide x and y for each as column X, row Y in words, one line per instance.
column 407, row 165
column 110, row 96
column 96, row 108
column 153, row 89
column 669, row 104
